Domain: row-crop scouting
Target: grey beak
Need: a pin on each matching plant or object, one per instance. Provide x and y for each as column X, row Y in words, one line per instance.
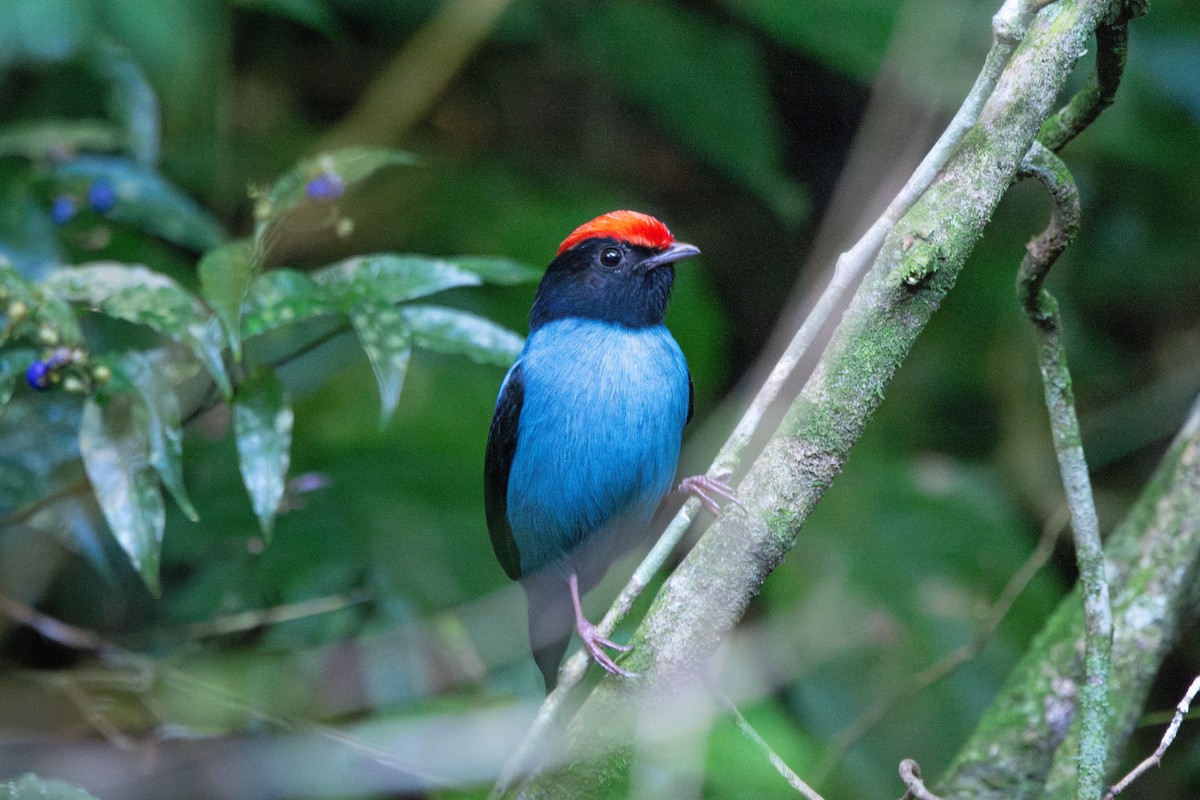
column 676, row 252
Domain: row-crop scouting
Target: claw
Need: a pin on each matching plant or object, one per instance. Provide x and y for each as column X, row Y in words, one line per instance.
column 703, row 488
column 593, row 642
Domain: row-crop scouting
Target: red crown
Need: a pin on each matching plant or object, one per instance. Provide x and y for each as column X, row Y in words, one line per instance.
column 626, row 226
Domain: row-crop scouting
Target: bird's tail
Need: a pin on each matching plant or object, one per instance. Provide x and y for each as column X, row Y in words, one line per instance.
column 551, row 623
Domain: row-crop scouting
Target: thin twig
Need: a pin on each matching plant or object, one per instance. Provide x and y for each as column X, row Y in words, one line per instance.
column 946, row 666
column 1064, row 426
column 54, row 629
column 1155, row 758
column 263, row 617
column 1009, row 27
column 910, row 773
column 1112, row 47
column 151, row 671
column 794, row 780
column 30, row 509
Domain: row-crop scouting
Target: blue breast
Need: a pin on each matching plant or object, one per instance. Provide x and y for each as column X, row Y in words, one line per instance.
column 599, row 433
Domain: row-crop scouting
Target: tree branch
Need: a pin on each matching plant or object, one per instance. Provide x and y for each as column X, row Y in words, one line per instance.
column 1026, row 744
column 1042, row 310
column 1009, row 27
column 916, row 266
column 1112, row 47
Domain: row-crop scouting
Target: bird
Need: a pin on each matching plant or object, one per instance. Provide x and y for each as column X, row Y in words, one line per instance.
column 585, row 438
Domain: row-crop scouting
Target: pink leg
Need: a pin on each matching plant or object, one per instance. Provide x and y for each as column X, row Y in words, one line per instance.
column 593, row 642
column 707, row 490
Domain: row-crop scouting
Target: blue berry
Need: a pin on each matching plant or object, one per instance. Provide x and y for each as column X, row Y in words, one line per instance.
column 101, row 197
column 326, row 186
column 39, row 375
column 63, row 209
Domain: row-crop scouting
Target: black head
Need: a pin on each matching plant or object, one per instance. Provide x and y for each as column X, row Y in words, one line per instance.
column 615, row 278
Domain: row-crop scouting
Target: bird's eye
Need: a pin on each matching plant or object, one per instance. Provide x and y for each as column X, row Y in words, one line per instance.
column 610, row 256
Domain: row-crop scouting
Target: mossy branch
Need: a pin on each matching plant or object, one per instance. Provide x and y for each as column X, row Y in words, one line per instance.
column 1112, row 49
column 1026, row 745
column 1042, row 310
column 916, row 266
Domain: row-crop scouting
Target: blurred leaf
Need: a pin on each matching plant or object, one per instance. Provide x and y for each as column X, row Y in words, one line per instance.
column 312, row 13
column 145, row 200
column 262, row 426
column 497, row 270
column 225, row 275
column 27, row 237
column 140, row 295
column 163, row 427
column 13, row 365
column 46, row 138
column 706, row 83
column 862, row 29
column 343, row 168
column 31, row 787
column 448, row 330
column 281, row 297
column 115, row 445
column 386, row 339
column 43, row 30
column 131, row 100
column 390, row 278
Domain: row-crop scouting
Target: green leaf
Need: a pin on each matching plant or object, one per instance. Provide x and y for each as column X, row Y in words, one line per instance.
column 391, row 278
column 163, row 426
column 45, row 138
column 131, row 100
column 31, row 787
column 350, row 166
column 706, row 83
column 140, row 295
column 144, row 199
column 388, row 344
column 500, row 271
column 448, row 330
column 115, row 445
column 225, row 275
column 282, row 297
column 262, row 426
column 13, row 366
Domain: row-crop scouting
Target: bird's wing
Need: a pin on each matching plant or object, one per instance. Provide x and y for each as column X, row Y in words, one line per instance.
column 497, row 463
column 691, row 399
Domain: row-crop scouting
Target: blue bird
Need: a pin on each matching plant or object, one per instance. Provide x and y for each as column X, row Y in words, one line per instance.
column 585, row 439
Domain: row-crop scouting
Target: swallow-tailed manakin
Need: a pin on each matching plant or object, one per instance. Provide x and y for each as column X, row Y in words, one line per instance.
column 585, row 439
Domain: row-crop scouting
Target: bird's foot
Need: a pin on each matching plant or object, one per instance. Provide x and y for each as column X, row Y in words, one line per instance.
column 707, row 489
column 593, row 642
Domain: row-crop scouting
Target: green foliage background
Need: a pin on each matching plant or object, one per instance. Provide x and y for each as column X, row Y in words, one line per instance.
column 729, row 119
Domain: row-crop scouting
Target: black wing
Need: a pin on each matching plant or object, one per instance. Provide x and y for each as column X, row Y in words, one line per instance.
column 497, row 463
column 691, row 399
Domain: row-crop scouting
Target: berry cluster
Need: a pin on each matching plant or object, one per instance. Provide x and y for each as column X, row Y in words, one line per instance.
column 100, row 197
column 68, row 366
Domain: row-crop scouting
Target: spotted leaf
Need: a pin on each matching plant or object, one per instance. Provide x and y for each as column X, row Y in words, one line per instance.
column 262, row 426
